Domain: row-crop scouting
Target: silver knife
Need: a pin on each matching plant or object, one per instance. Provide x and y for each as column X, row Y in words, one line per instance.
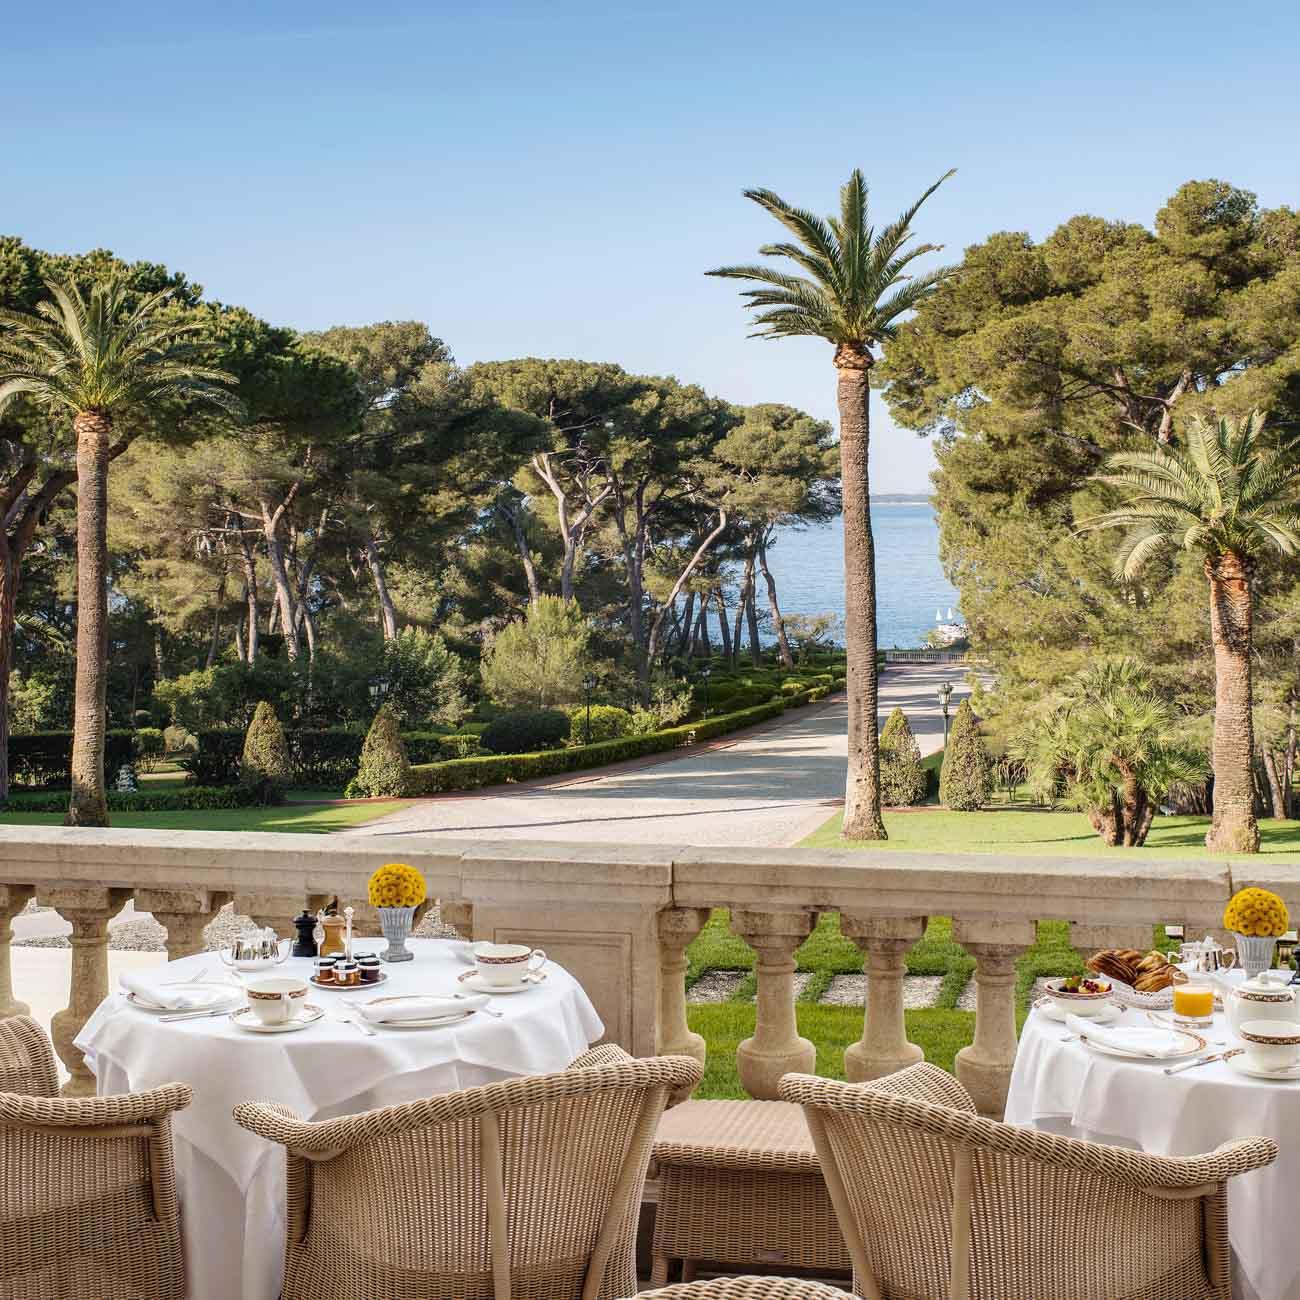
column 1203, row 1060
column 195, row 1015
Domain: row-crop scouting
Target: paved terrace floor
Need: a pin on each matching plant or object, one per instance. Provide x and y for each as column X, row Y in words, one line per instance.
column 768, row 787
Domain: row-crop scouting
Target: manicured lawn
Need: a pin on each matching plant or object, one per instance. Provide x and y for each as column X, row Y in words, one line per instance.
column 1010, row 830
column 286, row 817
column 725, row 1025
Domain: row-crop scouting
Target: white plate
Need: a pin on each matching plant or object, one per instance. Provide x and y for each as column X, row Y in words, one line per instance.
column 205, row 997
column 470, row 979
column 430, row 1022
column 1195, row 1045
column 245, row 1019
column 1049, row 1008
column 1242, row 1066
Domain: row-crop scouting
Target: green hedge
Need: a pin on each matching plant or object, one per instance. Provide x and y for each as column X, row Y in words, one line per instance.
column 472, row 773
column 44, row 758
column 188, row 798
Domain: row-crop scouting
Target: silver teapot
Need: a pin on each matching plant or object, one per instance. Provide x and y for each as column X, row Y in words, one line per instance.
column 255, row 950
column 1208, row 957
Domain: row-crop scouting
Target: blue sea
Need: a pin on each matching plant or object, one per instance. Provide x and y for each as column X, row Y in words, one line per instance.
column 808, row 565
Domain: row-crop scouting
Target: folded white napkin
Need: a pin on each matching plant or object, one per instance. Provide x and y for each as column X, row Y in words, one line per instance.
column 155, row 990
column 419, row 1008
column 1142, row 1040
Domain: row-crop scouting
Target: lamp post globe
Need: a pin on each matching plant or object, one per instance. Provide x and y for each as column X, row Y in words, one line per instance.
column 945, row 694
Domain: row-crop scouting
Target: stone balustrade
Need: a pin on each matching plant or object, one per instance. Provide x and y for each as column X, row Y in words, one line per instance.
column 621, row 918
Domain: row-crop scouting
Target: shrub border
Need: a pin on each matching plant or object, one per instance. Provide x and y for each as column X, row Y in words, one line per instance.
column 503, row 769
column 190, row 798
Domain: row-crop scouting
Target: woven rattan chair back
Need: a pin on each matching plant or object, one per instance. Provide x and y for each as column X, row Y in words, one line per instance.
column 87, row 1188
column 744, row 1288
column 523, row 1190
column 937, row 1202
column 27, row 1062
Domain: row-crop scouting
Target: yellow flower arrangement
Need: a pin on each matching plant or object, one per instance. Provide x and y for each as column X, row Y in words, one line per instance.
column 396, row 884
column 1256, row 912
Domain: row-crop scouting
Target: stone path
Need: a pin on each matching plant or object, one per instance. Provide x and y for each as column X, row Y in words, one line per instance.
column 767, row 787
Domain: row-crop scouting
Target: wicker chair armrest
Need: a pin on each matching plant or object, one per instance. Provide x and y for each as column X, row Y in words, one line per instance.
column 605, row 1054
column 925, row 1082
column 1135, row 1168
column 95, row 1112
column 335, row 1135
column 27, row 1062
column 745, row 1288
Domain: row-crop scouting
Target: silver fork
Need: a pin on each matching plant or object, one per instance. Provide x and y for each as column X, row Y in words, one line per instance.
column 357, row 1023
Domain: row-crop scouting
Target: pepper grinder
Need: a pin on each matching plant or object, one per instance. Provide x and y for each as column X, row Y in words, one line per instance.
column 305, row 944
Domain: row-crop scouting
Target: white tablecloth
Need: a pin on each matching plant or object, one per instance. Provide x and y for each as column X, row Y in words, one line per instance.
column 1066, row 1088
column 231, row 1183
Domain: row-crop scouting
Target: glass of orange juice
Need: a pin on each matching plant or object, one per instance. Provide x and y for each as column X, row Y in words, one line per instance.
column 1193, row 1003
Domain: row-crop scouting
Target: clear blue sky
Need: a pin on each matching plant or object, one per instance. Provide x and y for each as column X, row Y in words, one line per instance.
column 553, row 179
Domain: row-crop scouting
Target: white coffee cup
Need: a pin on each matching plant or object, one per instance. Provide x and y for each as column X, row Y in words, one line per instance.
column 1271, row 1044
column 503, row 965
column 276, row 999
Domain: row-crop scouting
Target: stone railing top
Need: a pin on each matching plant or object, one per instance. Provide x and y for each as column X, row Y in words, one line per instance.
column 1107, row 889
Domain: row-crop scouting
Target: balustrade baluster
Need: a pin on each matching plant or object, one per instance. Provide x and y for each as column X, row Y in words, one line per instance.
column 13, row 898
column 885, row 941
column 678, row 926
column 776, row 1048
column 984, row 1068
column 89, row 910
column 184, row 914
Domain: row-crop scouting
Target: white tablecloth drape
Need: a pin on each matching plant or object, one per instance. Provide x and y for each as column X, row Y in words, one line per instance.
column 230, row 1182
column 1066, row 1088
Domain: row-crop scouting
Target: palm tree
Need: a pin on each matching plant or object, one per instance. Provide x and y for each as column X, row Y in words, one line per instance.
column 1115, row 745
column 104, row 363
column 1231, row 498
column 854, row 289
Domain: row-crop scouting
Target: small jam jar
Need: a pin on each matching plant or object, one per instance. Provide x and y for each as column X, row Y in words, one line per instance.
column 325, row 969
column 347, row 973
column 369, row 966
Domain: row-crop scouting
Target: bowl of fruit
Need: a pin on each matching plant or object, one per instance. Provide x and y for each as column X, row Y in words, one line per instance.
column 1080, row 995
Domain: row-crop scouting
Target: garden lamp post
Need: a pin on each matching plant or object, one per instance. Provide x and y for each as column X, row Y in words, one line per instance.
column 704, row 677
column 945, row 694
column 588, row 685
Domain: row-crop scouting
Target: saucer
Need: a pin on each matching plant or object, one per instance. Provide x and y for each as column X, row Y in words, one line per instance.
column 245, row 1019
column 471, row 980
column 1048, row 1008
column 1242, row 1066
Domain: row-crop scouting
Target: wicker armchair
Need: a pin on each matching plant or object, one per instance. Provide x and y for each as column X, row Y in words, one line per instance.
column 26, row 1059
column 744, row 1288
column 88, row 1193
column 936, row 1201
column 529, row 1188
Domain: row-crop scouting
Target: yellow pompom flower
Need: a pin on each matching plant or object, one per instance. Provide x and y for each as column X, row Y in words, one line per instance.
column 1256, row 913
column 396, row 884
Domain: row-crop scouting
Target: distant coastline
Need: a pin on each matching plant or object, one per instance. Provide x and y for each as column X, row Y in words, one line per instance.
column 900, row 498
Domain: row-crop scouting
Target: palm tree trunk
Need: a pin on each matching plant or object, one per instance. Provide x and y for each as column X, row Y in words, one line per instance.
column 778, row 623
column 89, row 803
column 1233, row 828
column 9, row 579
column 862, row 820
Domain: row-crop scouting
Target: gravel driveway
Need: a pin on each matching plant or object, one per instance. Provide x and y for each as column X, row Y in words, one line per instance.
column 770, row 786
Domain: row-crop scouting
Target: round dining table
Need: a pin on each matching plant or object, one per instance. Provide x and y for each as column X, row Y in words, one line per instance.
column 1061, row 1085
column 231, row 1183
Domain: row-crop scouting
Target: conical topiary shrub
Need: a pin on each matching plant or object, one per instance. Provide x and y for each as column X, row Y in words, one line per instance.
column 384, row 769
column 902, row 778
column 966, row 780
column 265, row 763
